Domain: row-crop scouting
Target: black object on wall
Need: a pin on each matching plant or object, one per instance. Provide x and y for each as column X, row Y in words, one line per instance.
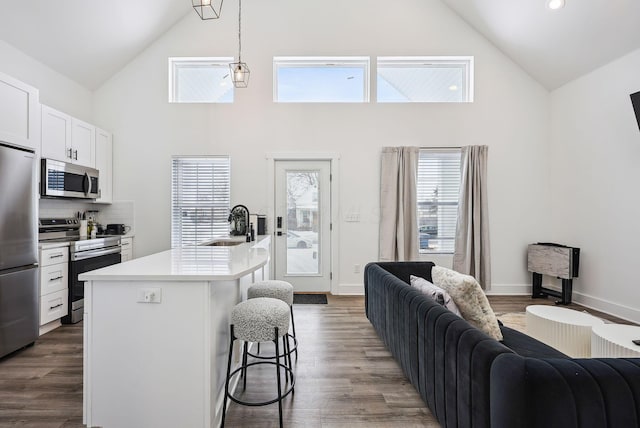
column 635, row 100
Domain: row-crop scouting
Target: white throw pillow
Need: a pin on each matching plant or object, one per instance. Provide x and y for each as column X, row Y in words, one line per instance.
column 470, row 298
column 436, row 293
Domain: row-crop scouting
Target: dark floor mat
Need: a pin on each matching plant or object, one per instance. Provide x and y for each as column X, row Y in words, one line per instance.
column 309, row 299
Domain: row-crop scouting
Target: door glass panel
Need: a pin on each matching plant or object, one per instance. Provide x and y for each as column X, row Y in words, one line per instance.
column 303, row 222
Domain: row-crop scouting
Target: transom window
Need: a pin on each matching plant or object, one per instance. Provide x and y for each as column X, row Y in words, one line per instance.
column 321, row 79
column 200, row 80
column 438, row 188
column 200, row 198
column 424, row 79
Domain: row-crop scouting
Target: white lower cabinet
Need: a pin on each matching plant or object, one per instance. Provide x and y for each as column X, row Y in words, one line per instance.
column 54, row 278
column 54, row 306
column 127, row 249
column 54, row 287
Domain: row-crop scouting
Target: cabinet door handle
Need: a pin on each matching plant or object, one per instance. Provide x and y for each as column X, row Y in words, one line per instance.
column 56, row 278
column 75, row 155
column 56, row 256
column 124, row 243
column 56, row 306
column 70, row 151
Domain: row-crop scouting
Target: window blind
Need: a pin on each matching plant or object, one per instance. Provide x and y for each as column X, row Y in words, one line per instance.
column 200, row 199
column 438, row 188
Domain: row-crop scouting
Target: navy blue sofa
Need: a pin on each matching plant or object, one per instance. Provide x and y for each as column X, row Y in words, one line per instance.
column 468, row 379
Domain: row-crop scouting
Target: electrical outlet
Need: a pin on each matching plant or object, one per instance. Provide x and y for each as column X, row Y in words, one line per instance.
column 356, row 268
column 150, row 295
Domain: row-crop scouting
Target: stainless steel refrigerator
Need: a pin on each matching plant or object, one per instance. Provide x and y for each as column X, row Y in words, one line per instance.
column 19, row 307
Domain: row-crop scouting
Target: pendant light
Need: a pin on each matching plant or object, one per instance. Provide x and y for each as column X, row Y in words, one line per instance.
column 207, row 9
column 239, row 70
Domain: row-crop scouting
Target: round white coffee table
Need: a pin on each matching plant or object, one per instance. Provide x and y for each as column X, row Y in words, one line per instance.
column 615, row 341
column 567, row 330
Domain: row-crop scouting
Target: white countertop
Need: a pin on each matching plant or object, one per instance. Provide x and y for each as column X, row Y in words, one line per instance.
column 201, row 263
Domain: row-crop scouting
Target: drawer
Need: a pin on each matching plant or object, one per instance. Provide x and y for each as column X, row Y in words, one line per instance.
column 126, row 254
column 54, row 278
column 53, row 256
column 127, row 249
column 53, row 306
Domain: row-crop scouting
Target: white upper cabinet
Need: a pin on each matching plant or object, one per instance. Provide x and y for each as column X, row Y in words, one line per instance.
column 56, row 135
column 104, row 164
column 83, row 143
column 67, row 139
column 19, row 113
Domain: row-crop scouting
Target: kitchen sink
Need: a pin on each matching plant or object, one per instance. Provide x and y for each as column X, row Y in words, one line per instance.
column 224, row 243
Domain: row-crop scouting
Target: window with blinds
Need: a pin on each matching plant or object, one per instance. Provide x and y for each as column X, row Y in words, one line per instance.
column 200, row 199
column 438, row 188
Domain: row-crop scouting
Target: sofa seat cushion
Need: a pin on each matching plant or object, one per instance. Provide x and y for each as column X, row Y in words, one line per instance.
column 527, row 346
column 470, row 299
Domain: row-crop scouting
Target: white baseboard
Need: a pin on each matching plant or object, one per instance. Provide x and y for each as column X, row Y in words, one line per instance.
column 616, row 309
column 49, row 327
column 351, row 289
column 607, row 306
column 509, row 290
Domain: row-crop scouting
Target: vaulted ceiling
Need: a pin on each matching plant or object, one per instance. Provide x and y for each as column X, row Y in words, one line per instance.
column 556, row 46
column 89, row 41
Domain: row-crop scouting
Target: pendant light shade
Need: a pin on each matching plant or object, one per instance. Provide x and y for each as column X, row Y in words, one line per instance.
column 240, row 74
column 239, row 70
column 207, row 9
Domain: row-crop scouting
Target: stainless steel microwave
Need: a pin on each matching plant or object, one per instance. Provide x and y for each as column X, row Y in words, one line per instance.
column 66, row 180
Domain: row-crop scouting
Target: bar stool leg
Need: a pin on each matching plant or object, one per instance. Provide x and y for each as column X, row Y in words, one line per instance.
column 293, row 326
column 226, row 384
column 278, row 376
column 288, row 347
column 244, row 363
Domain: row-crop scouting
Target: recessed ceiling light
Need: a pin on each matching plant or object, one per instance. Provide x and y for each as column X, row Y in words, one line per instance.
column 555, row 4
column 453, row 87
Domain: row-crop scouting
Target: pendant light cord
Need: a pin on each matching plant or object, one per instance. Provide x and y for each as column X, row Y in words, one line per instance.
column 239, row 31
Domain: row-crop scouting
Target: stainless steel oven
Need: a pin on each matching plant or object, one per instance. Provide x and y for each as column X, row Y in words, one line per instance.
column 66, row 180
column 85, row 256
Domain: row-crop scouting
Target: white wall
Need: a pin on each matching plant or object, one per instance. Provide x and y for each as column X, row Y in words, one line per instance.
column 595, row 158
column 56, row 90
column 510, row 114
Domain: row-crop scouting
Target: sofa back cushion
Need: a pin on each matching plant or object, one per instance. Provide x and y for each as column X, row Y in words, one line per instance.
column 470, row 299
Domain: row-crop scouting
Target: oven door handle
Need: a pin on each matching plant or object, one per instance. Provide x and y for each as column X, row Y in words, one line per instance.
column 95, row 253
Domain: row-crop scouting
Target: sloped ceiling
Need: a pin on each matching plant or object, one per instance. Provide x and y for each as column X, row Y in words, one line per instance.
column 87, row 40
column 558, row 46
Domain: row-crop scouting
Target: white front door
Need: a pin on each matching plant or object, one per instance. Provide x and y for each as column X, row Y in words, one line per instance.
column 303, row 224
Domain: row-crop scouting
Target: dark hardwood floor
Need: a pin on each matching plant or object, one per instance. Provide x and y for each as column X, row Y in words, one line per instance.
column 345, row 377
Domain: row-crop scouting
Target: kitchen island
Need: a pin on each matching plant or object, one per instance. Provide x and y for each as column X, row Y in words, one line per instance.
column 156, row 334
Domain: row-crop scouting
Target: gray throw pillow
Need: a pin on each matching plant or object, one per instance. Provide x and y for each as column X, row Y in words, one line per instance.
column 436, row 293
column 470, row 298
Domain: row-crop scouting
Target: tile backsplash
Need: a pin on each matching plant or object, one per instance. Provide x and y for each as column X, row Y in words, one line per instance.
column 117, row 212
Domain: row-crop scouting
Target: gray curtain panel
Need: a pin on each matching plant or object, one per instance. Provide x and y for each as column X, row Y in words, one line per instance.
column 472, row 254
column 398, row 209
